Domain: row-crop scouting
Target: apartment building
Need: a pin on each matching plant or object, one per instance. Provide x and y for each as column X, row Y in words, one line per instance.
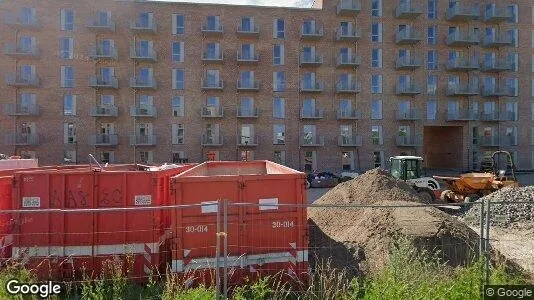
column 342, row 85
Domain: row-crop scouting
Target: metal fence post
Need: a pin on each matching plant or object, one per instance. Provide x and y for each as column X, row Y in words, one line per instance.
column 225, row 249
column 217, row 252
column 487, row 244
column 482, row 246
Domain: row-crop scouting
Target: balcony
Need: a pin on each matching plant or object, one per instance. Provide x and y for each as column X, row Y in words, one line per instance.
column 348, row 36
column 496, row 14
column 104, row 140
column 101, row 26
column 138, row 27
column 462, row 13
column 349, row 141
column 496, row 91
column 18, row 109
column 248, row 86
column 462, row 38
column 143, row 83
column 312, row 141
column 312, row 34
column 212, row 140
column 307, row 60
column 251, row 32
column 248, row 141
column 247, row 113
column 212, row 30
column 409, row 141
column 143, row 140
column 348, row 114
column 497, row 40
column 462, row 90
column 13, row 79
column 411, row 114
column 352, row 61
column 99, row 82
column 217, row 85
column 146, row 55
column 462, row 115
column 489, row 141
column 311, row 114
column 22, row 139
column 348, row 87
column 347, row 8
column 497, row 65
column 508, row 140
column 96, row 52
column 211, row 111
column 491, row 116
column 311, row 87
column 408, row 10
column 103, row 111
column 251, row 58
column 148, row 111
column 13, row 20
column 407, row 89
column 462, row 64
column 508, row 116
column 408, row 36
column 217, row 58
column 408, row 63
column 18, row 51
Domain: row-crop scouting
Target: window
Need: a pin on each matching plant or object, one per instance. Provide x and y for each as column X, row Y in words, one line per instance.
column 107, row 157
column 67, row 76
column 310, row 161
column 246, row 79
column 178, row 106
column 107, row 100
column 376, row 8
column 178, row 22
column 146, row 157
column 347, row 161
column 279, row 157
column 66, row 48
column 179, row 157
column 512, row 84
column 432, row 9
column 69, row 105
column 69, row 133
column 67, row 20
column 512, row 34
column 278, row 55
column 376, row 84
column 376, row 58
column 432, row 84
column 247, row 24
column 27, row 15
column 431, row 109
column 178, row 51
column 178, row 79
column 474, row 135
column 376, row 109
column 432, row 34
column 511, row 110
column 278, row 108
column 177, row 134
column 279, row 134
column 513, row 13
column 279, row 81
column 376, row 32
column 145, row 19
column 376, row 135
column 278, row 29
column 513, row 58
column 432, row 60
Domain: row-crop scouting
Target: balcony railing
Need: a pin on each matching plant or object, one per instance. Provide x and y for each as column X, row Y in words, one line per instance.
column 348, row 36
column 148, row 55
column 18, row 109
column 312, row 34
column 143, row 83
column 409, row 36
column 312, row 141
column 251, row 58
column 100, row 82
column 311, row 113
column 103, row 111
column 13, row 79
column 492, row 116
column 216, row 30
column 348, row 7
column 462, row 38
column 409, row 114
column 496, row 91
column 142, row 140
column 508, row 116
column 465, row 89
column 210, row 111
column 248, row 141
column 243, row 112
column 17, row 50
column 497, row 40
column 408, row 10
column 29, row 23
column 351, row 61
column 462, row 115
column 409, row 141
column 408, row 62
column 149, row 111
column 489, row 141
column 307, row 60
column 98, row 25
column 348, row 87
column 349, row 141
column 407, row 89
column 104, row 140
column 251, row 85
column 497, row 65
column 22, row 139
column 212, row 85
column 96, row 52
column 213, row 140
column 253, row 31
column 352, row 114
column 462, row 13
column 217, row 58
column 508, row 140
column 496, row 14
column 312, row 87
column 149, row 27
column 462, row 64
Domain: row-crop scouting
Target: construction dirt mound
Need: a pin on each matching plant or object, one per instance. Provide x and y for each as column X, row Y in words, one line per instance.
column 359, row 239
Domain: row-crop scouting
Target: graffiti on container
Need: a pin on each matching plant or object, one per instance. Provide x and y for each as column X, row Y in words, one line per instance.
column 110, row 198
column 76, row 201
column 11, row 223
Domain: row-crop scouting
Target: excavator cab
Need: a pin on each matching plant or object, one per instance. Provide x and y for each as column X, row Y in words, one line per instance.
column 406, row 167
